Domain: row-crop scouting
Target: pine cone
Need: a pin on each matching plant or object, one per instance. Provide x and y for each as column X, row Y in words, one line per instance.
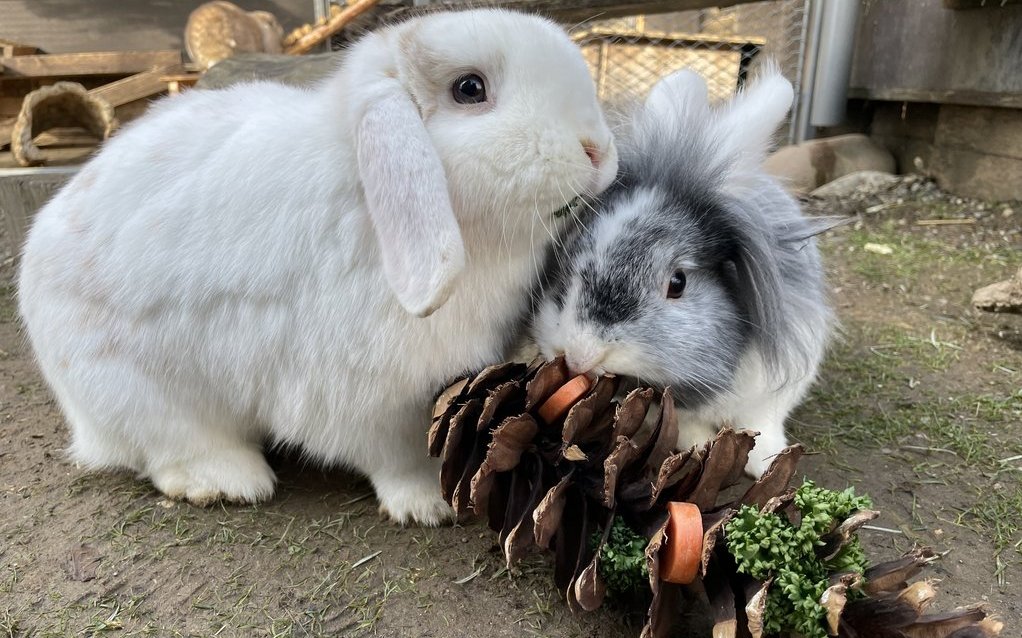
column 562, row 484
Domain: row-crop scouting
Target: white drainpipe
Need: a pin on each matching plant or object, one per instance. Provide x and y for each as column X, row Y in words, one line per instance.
column 829, row 44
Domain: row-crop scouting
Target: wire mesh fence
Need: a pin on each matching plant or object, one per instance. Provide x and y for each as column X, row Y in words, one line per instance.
column 725, row 45
column 628, row 55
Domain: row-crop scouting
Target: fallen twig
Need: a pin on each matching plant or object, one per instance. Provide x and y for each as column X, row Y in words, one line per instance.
column 336, row 22
column 923, row 448
column 945, row 222
column 886, row 530
column 366, row 559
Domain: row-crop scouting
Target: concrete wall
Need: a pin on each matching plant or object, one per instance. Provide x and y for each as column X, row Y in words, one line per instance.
column 66, row 26
column 975, row 151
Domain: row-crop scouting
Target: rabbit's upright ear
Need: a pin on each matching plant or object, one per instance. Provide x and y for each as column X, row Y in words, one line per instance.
column 406, row 193
column 678, row 97
column 748, row 123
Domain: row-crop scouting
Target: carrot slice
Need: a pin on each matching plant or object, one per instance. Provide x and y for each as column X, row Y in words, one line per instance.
column 566, row 396
column 683, row 546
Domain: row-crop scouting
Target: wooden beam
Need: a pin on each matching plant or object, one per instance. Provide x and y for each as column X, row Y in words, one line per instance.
column 187, row 79
column 978, row 4
column 10, row 48
column 581, row 10
column 64, row 137
column 175, row 82
column 938, row 96
column 135, row 87
column 99, row 63
column 684, row 39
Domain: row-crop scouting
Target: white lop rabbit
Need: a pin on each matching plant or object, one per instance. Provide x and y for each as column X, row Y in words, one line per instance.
column 309, row 266
column 698, row 270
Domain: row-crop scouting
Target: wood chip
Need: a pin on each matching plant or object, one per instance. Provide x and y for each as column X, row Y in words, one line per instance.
column 879, row 249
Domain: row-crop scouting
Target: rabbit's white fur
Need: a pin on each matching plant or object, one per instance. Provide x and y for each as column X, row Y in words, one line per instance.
column 247, row 265
column 743, row 342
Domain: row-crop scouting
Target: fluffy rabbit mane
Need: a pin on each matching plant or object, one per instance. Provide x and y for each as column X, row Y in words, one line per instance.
column 709, row 158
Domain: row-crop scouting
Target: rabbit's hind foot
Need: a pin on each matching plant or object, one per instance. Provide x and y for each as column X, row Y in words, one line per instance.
column 412, row 498
column 237, row 475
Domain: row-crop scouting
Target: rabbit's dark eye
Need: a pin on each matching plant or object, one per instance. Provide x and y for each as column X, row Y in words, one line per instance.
column 677, row 284
column 469, row 89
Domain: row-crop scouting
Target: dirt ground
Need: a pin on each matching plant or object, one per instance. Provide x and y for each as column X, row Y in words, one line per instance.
column 919, row 405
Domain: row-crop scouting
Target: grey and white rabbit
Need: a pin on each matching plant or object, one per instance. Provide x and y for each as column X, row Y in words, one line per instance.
column 309, row 266
column 697, row 269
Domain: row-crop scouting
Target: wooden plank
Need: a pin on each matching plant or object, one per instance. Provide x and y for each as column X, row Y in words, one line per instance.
column 183, row 78
column 978, row 4
column 135, row 87
column 937, row 96
column 9, row 48
column 65, row 137
column 98, row 63
column 691, row 40
column 581, row 10
column 175, row 82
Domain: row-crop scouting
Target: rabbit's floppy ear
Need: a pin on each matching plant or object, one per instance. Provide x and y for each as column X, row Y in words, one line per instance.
column 758, row 281
column 406, row 193
column 678, row 97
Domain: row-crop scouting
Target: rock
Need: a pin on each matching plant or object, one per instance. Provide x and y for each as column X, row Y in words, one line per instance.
column 859, row 182
column 296, row 70
column 64, row 104
column 807, row 166
column 1004, row 296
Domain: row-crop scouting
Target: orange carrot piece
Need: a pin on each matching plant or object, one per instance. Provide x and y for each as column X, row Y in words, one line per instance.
column 566, row 396
column 683, row 546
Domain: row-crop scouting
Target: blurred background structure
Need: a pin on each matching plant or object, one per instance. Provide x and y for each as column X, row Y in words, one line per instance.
column 926, row 86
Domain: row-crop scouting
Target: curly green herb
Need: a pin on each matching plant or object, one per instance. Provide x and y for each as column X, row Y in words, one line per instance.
column 623, row 561
column 768, row 545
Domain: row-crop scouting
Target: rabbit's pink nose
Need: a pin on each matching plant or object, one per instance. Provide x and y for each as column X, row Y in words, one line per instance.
column 592, row 151
column 584, row 358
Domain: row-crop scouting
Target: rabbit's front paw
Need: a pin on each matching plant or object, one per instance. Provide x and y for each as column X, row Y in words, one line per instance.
column 695, row 432
column 238, row 475
column 414, row 502
column 769, row 444
column 757, row 465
